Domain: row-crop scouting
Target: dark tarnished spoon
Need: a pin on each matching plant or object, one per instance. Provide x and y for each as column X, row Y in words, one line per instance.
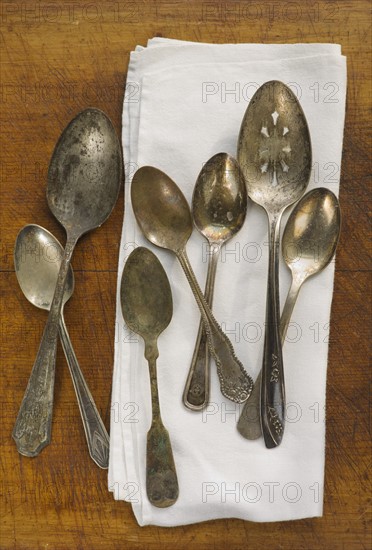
column 164, row 216
column 309, row 243
column 84, row 178
column 274, row 153
column 219, row 206
column 146, row 302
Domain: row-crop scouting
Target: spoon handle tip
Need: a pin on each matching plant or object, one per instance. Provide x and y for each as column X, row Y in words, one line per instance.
column 249, row 423
column 161, row 476
column 196, row 392
column 32, row 429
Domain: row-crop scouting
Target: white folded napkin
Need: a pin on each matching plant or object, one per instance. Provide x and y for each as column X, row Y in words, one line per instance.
column 184, row 102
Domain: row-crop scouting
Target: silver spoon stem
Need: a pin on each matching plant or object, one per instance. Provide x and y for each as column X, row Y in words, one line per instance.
column 235, row 383
column 196, row 392
column 272, row 386
column 289, row 305
column 161, row 475
column 249, row 425
column 32, row 429
column 151, row 354
column 95, row 431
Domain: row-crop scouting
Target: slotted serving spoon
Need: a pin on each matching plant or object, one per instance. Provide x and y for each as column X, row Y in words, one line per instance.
column 274, row 153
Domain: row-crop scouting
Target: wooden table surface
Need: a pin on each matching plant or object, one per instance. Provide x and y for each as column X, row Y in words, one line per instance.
column 57, row 59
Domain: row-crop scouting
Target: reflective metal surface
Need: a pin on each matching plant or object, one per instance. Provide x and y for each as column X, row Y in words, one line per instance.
column 84, row 178
column 146, row 302
column 37, row 259
column 164, row 216
column 274, row 153
column 219, row 206
column 309, row 243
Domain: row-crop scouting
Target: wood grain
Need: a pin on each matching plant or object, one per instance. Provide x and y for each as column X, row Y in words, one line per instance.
column 57, row 59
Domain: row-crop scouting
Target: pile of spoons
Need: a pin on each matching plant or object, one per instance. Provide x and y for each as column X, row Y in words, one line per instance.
column 84, row 178
column 272, row 169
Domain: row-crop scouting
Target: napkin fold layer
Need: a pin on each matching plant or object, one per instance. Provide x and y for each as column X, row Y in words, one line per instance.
column 184, row 102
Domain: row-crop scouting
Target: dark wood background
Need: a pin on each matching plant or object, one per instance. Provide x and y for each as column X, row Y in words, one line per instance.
column 57, row 59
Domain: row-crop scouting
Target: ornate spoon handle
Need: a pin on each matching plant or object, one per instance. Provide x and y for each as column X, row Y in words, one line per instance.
column 196, row 392
column 95, row 431
column 272, row 386
column 32, row 430
column 235, row 383
column 249, row 425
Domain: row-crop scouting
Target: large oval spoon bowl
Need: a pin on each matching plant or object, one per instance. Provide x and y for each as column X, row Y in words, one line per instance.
column 146, row 297
column 85, row 172
column 161, row 209
column 274, row 149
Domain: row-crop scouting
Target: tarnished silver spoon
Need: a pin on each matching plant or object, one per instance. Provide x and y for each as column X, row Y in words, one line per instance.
column 37, row 259
column 309, row 243
column 219, row 205
column 147, row 306
column 274, row 153
column 84, row 178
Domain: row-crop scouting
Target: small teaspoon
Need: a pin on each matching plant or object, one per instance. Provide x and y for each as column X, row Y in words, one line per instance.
column 219, row 206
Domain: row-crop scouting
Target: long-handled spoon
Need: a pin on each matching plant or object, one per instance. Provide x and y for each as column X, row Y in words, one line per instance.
column 146, row 303
column 219, row 205
column 308, row 246
column 37, row 259
column 84, row 178
column 274, row 153
column 164, row 216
